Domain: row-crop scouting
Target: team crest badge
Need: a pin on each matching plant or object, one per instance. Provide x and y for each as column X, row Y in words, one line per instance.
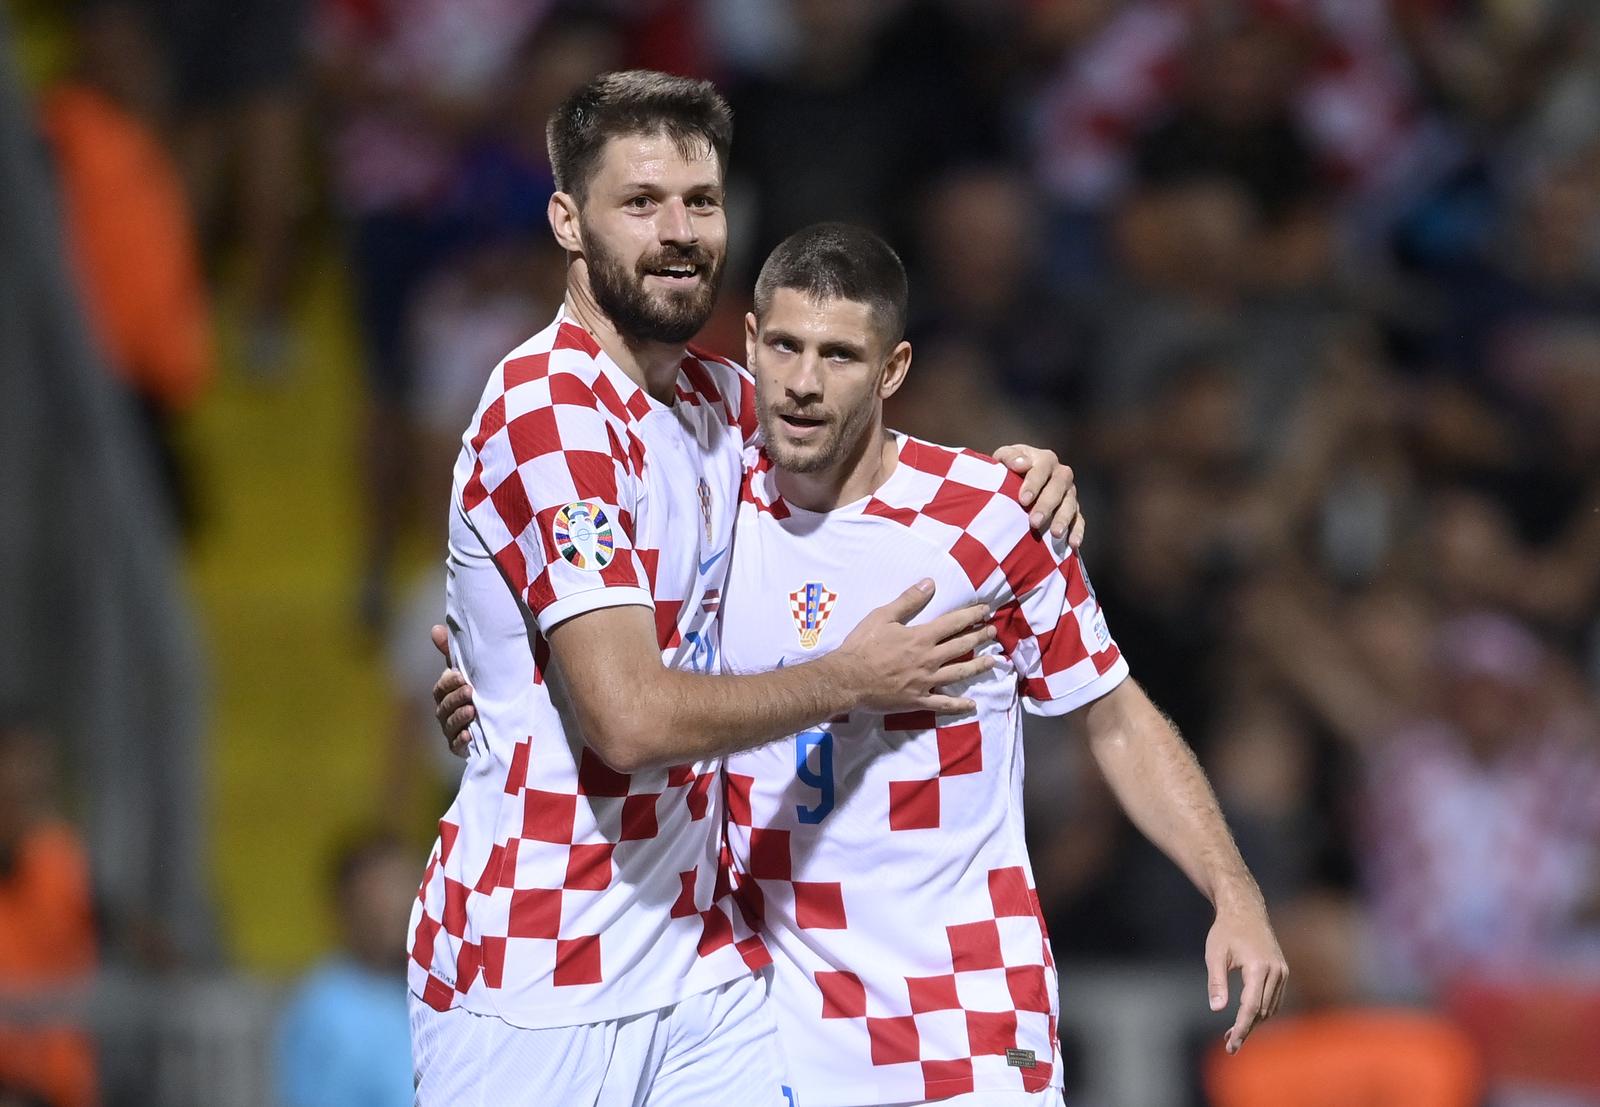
column 810, row 605
column 705, row 509
column 583, row 536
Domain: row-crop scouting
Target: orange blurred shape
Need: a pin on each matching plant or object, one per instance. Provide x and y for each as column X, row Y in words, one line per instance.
column 47, row 940
column 133, row 246
column 1371, row 1057
column 1539, row 1032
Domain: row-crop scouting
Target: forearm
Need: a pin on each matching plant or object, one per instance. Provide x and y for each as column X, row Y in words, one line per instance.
column 1159, row 784
column 669, row 717
column 683, row 716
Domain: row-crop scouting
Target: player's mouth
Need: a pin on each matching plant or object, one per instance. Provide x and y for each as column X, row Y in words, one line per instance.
column 683, row 274
column 802, row 426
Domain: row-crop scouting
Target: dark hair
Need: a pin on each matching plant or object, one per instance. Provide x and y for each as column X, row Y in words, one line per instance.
column 634, row 102
column 838, row 261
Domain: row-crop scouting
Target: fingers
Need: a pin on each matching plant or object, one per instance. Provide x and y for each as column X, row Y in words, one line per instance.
column 1251, row 997
column 1036, row 485
column 959, row 671
column 965, row 645
column 947, row 705
column 1216, row 978
column 457, row 694
column 958, row 621
column 1058, row 502
column 1277, row 984
column 1075, row 539
column 457, row 730
column 449, row 681
column 441, row 640
column 904, row 607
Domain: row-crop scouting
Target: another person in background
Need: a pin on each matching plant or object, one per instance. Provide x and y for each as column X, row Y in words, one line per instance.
column 410, row 87
column 1480, row 851
column 239, row 105
column 344, row 1039
column 48, row 941
column 129, row 227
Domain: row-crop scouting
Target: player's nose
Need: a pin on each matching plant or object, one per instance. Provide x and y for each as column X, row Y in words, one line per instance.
column 674, row 225
column 805, row 383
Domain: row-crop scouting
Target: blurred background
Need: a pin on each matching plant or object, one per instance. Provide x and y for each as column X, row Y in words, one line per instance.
column 1305, row 290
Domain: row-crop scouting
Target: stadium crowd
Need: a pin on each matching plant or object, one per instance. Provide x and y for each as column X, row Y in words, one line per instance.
column 1307, row 292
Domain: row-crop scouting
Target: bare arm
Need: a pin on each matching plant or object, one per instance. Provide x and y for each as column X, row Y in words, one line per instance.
column 1161, row 786
column 667, row 716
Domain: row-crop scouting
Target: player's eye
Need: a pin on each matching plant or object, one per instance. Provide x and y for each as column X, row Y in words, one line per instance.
column 702, row 203
column 638, row 203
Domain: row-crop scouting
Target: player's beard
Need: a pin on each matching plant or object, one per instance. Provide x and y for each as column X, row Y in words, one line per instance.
column 673, row 317
column 841, row 435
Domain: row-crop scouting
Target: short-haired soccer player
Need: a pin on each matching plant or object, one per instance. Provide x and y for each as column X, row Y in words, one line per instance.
column 883, row 856
column 572, row 942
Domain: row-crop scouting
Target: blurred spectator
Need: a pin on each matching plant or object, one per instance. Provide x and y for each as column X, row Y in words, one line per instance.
column 344, row 1040
column 47, row 931
column 980, row 299
column 129, row 226
column 1481, row 849
column 238, row 111
column 411, row 85
column 871, row 98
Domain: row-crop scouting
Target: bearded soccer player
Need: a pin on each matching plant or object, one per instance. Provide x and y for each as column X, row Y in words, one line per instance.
column 883, row 856
column 572, row 941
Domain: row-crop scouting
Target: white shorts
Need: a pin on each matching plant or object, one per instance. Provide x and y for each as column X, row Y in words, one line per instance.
column 718, row 1048
column 1050, row 1097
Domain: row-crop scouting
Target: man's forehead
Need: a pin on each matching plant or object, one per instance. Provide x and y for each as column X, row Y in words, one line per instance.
column 796, row 308
column 656, row 156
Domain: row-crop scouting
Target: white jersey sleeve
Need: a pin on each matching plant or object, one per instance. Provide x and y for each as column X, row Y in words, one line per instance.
column 553, row 491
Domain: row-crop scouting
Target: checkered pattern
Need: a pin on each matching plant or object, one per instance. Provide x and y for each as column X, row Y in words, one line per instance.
column 1473, row 863
column 909, row 951
column 562, row 891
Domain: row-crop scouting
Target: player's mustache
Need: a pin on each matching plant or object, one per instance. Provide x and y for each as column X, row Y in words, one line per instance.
column 818, row 414
column 696, row 256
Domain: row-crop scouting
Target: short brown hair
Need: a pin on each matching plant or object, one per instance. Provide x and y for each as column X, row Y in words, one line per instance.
column 838, row 261
column 634, row 102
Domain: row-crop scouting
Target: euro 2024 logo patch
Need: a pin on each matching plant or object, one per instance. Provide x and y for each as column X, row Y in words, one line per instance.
column 583, row 536
column 810, row 605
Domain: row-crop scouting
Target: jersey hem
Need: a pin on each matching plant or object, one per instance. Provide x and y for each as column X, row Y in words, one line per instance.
column 568, row 607
column 941, row 1089
column 588, row 1013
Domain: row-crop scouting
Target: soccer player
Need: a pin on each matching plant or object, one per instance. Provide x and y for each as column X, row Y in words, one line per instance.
column 883, row 856
column 571, row 942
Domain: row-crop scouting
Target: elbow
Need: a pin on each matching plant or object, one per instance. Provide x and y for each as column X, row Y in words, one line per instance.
column 623, row 743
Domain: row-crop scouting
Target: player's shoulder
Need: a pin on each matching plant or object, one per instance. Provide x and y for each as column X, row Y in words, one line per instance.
column 953, row 484
column 563, row 367
column 967, row 504
column 721, row 383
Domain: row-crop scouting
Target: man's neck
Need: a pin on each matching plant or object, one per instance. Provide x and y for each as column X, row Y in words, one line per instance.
column 852, row 479
column 653, row 366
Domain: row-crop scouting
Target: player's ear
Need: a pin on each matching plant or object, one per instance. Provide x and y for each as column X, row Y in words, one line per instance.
column 895, row 370
column 562, row 212
column 751, row 330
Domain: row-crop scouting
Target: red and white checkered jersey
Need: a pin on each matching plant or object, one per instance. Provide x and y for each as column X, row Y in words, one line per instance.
column 559, row 891
column 884, row 855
